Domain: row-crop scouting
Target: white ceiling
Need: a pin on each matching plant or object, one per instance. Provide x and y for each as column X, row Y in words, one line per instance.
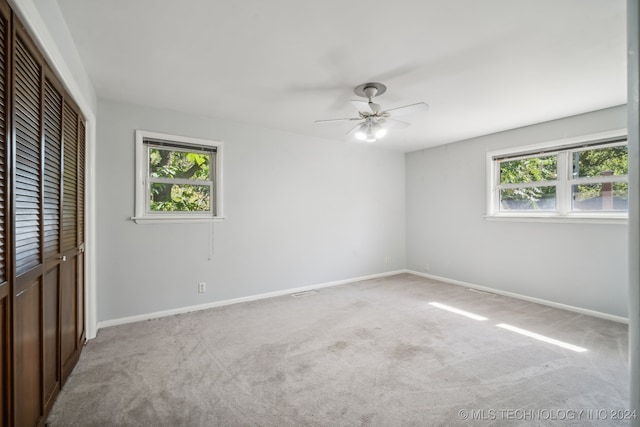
column 482, row 66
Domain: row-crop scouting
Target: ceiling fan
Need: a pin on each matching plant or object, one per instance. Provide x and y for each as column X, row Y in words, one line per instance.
column 374, row 121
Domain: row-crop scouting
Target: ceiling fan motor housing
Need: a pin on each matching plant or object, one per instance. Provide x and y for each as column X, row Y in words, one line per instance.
column 369, row 90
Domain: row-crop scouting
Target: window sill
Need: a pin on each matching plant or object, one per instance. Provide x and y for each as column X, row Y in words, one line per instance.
column 574, row 218
column 175, row 220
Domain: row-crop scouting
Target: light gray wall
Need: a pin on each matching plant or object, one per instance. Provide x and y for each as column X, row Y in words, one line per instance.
column 300, row 211
column 583, row 265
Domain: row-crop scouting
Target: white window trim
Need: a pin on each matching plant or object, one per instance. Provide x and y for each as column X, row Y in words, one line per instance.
column 563, row 212
column 141, row 214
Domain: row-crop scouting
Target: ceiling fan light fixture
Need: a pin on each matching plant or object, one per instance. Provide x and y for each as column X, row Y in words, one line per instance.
column 379, row 131
column 361, row 134
column 371, row 135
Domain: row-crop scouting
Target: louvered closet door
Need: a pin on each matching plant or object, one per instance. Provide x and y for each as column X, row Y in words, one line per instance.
column 5, row 295
column 72, row 293
column 80, row 288
column 28, row 290
column 42, row 138
column 52, row 186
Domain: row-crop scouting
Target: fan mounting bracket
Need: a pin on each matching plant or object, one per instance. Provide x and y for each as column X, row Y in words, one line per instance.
column 361, row 90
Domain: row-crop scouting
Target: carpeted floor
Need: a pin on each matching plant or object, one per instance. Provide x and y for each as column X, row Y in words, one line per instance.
column 372, row 353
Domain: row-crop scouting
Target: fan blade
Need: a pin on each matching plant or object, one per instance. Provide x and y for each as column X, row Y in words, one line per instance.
column 354, row 130
column 361, row 106
column 395, row 124
column 407, row 109
column 338, row 120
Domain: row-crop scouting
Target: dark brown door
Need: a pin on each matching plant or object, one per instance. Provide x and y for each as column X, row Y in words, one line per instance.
column 71, row 276
column 52, row 187
column 42, row 138
column 80, row 283
column 28, row 291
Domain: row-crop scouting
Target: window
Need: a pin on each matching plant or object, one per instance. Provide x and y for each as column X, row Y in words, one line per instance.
column 577, row 178
column 177, row 178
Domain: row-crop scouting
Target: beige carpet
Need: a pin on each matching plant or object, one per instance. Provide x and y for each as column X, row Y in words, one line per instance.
column 372, row 353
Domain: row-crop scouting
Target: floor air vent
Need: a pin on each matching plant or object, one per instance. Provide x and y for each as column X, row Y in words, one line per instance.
column 304, row 293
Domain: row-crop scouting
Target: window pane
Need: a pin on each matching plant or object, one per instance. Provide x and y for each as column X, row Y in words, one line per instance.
column 600, row 162
column 601, row 197
column 528, row 199
column 180, row 197
column 166, row 163
column 533, row 169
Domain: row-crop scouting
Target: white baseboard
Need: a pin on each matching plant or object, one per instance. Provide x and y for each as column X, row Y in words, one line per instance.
column 580, row 310
column 188, row 309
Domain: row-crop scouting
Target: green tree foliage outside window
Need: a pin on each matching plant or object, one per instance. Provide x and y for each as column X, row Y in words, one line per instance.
column 524, row 171
column 191, row 171
column 601, row 162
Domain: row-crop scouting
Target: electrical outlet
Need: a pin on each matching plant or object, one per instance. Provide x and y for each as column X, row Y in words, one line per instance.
column 202, row 287
column 387, row 260
column 426, row 267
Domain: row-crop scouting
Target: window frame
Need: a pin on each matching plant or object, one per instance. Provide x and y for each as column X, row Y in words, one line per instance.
column 146, row 139
column 564, row 149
